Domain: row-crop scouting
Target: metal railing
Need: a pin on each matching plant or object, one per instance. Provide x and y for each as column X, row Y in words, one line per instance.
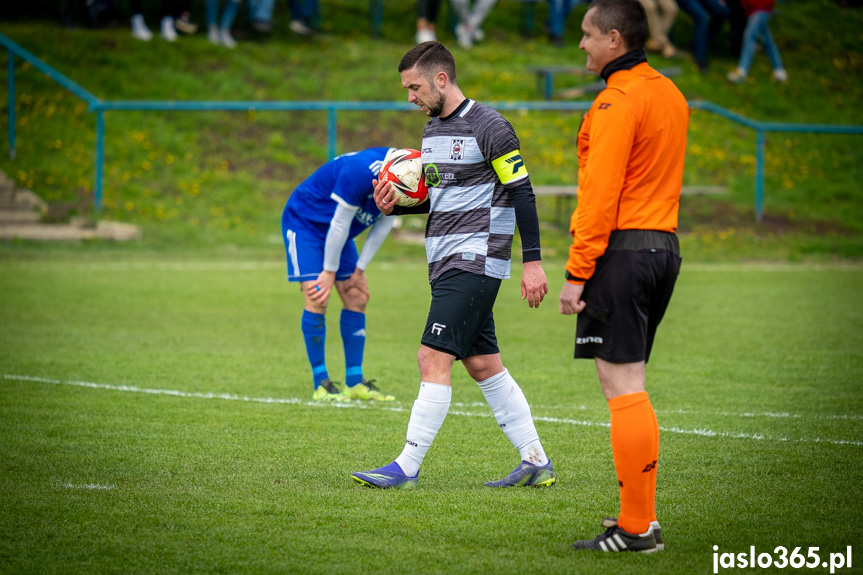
column 99, row 107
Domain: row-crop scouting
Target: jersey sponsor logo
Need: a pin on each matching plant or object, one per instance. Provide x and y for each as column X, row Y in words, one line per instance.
column 457, row 151
column 588, row 339
column 510, row 167
column 604, row 105
column 437, row 328
column 434, row 177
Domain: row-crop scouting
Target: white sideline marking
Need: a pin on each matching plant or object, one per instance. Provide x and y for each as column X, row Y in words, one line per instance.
column 107, row 486
column 769, row 414
column 398, row 409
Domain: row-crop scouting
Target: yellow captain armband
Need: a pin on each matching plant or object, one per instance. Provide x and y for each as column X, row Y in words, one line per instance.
column 510, row 167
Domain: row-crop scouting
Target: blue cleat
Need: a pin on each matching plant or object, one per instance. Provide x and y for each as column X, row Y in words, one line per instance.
column 387, row 477
column 527, row 475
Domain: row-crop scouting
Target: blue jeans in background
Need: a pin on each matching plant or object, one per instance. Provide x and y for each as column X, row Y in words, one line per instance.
column 757, row 30
column 558, row 12
column 261, row 10
column 708, row 16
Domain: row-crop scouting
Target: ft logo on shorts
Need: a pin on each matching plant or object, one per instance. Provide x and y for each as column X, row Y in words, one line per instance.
column 437, row 328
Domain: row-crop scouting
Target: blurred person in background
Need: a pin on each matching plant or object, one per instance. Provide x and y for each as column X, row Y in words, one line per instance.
column 166, row 26
column 708, row 17
column 558, row 12
column 219, row 30
column 427, row 13
column 660, row 19
column 757, row 31
column 471, row 18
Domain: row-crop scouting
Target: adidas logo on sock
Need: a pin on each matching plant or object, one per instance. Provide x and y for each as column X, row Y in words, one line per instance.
column 360, row 333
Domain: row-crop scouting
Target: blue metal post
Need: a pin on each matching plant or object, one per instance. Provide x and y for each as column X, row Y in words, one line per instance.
column 331, row 138
column 11, row 102
column 759, row 176
column 100, row 156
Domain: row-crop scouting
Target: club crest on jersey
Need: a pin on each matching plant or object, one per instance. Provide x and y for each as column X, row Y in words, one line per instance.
column 457, row 152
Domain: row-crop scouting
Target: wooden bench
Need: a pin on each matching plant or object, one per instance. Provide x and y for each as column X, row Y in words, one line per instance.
column 545, row 80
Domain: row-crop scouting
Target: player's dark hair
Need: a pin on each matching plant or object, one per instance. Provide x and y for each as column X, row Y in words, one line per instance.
column 626, row 16
column 430, row 58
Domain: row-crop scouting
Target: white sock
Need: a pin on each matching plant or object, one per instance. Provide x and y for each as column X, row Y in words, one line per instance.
column 512, row 413
column 427, row 415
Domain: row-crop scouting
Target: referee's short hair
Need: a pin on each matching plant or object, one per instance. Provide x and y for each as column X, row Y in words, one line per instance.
column 430, row 58
column 626, row 16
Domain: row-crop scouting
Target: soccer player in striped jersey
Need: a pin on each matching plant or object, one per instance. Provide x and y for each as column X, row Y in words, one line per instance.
column 479, row 189
column 319, row 223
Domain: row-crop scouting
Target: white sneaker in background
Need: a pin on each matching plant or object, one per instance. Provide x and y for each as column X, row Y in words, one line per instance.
column 226, row 39
column 140, row 30
column 168, row 32
column 301, row 28
column 736, row 76
column 780, row 75
column 425, row 36
column 464, row 35
column 213, row 34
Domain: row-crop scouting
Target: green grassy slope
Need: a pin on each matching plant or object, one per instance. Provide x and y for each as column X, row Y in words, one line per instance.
column 218, row 178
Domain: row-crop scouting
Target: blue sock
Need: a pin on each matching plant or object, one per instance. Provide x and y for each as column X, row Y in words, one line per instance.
column 229, row 13
column 315, row 334
column 353, row 328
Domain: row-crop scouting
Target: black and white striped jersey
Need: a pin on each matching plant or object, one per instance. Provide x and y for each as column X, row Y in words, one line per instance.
column 471, row 159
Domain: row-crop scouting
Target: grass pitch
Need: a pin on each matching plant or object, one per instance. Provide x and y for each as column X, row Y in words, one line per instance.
column 155, row 417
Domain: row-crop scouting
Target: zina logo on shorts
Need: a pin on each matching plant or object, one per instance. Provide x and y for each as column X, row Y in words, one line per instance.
column 588, row 339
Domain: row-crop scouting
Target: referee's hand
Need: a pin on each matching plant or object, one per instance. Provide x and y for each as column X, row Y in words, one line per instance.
column 570, row 298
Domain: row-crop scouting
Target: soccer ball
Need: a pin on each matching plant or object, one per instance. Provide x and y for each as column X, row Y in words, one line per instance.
column 404, row 170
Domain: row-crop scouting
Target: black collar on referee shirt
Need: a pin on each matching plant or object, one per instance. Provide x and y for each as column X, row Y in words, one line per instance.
column 626, row 62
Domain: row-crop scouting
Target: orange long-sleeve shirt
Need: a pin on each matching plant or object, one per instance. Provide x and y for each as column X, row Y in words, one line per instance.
column 631, row 148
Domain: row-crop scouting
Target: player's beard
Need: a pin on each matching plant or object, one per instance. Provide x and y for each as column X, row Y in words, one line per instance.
column 435, row 107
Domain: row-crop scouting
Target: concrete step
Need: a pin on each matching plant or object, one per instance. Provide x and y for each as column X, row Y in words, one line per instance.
column 19, row 216
column 70, row 232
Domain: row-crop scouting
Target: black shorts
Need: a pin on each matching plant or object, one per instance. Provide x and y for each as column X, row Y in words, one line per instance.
column 626, row 299
column 460, row 320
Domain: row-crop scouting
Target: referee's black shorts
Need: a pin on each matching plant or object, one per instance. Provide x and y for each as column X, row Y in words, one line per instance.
column 626, row 299
column 460, row 320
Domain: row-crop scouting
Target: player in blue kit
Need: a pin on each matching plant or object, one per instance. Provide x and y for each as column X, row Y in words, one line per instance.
column 319, row 223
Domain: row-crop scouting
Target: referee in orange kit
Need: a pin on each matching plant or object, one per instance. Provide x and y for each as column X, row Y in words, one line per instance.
column 625, row 257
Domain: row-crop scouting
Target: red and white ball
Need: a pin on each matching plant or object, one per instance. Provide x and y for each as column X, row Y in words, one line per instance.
column 403, row 168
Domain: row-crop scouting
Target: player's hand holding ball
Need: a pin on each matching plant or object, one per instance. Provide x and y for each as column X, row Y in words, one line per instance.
column 403, row 170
